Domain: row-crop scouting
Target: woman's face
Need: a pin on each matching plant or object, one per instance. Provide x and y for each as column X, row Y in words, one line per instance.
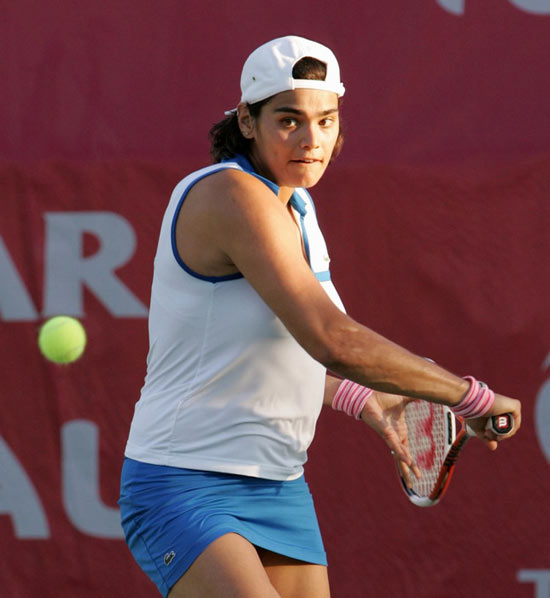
column 294, row 136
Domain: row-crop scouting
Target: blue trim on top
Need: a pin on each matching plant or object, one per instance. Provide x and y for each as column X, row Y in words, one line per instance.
column 246, row 165
column 296, row 201
column 322, row 276
column 310, row 201
column 173, row 236
column 300, row 206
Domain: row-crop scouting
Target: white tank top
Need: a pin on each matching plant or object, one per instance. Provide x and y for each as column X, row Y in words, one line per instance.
column 227, row 388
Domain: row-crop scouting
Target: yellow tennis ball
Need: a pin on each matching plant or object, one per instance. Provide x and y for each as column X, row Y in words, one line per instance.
column 62, row 339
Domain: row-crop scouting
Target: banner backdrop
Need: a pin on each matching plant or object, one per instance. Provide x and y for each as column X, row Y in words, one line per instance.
column 436, row 215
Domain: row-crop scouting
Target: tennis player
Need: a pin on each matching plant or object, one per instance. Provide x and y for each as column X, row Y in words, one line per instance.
column 244, row 324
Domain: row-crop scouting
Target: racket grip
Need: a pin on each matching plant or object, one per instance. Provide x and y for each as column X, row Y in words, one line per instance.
column 501, row 424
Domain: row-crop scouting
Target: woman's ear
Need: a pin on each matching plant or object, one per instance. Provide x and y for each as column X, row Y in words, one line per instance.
column 245, row 120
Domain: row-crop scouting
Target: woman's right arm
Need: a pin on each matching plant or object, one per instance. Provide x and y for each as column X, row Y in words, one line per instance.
column 249, row 228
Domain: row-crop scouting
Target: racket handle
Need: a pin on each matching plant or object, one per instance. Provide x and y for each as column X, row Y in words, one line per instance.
column 501, row 424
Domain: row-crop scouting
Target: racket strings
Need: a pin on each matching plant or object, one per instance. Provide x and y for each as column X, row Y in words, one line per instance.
column 428, row 442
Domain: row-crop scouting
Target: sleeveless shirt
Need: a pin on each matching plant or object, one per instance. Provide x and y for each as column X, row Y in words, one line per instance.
column 227, row 388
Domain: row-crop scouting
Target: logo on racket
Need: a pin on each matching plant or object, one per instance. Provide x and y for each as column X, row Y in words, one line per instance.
column 424, row 432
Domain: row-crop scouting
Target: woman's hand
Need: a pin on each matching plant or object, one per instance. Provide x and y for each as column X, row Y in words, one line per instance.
column 501, row 405
column 385, row 414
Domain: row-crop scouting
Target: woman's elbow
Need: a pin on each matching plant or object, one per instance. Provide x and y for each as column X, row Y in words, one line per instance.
column 331, row 349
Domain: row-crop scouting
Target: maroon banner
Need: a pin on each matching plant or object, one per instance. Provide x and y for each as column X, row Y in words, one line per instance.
column 436, row 216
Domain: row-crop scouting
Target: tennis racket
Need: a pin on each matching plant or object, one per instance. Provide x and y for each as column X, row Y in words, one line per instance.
column 436, row 437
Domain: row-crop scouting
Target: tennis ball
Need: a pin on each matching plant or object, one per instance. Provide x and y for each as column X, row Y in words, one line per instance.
column 62, row 339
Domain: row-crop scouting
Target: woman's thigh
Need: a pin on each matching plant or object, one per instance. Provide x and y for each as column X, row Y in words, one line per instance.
column 228, row 567
column 295, row 579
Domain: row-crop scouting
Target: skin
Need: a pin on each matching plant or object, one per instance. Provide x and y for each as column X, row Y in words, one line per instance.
column 231, row 222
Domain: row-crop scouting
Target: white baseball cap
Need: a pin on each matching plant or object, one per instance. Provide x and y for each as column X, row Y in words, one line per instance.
column 268, row 70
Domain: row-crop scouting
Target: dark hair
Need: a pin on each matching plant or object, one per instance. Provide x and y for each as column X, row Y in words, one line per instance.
column 226, row 139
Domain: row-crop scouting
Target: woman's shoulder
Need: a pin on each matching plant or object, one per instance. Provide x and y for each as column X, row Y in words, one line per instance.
column 231, row 182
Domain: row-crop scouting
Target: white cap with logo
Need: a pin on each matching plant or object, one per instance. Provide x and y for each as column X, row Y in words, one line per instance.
column 268, row 70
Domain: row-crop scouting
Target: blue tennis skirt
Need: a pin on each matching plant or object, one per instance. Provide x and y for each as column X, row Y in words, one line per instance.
column 170, row 515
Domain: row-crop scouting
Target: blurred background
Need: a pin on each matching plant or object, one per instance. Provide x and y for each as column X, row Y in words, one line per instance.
column 437, row 218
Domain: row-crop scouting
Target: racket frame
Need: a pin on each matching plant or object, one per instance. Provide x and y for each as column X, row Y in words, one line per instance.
column 454, row 444
column 500, row 424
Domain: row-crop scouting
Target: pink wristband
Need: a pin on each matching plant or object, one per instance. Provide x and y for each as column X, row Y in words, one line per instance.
column 350, row 398
column 478, row 400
